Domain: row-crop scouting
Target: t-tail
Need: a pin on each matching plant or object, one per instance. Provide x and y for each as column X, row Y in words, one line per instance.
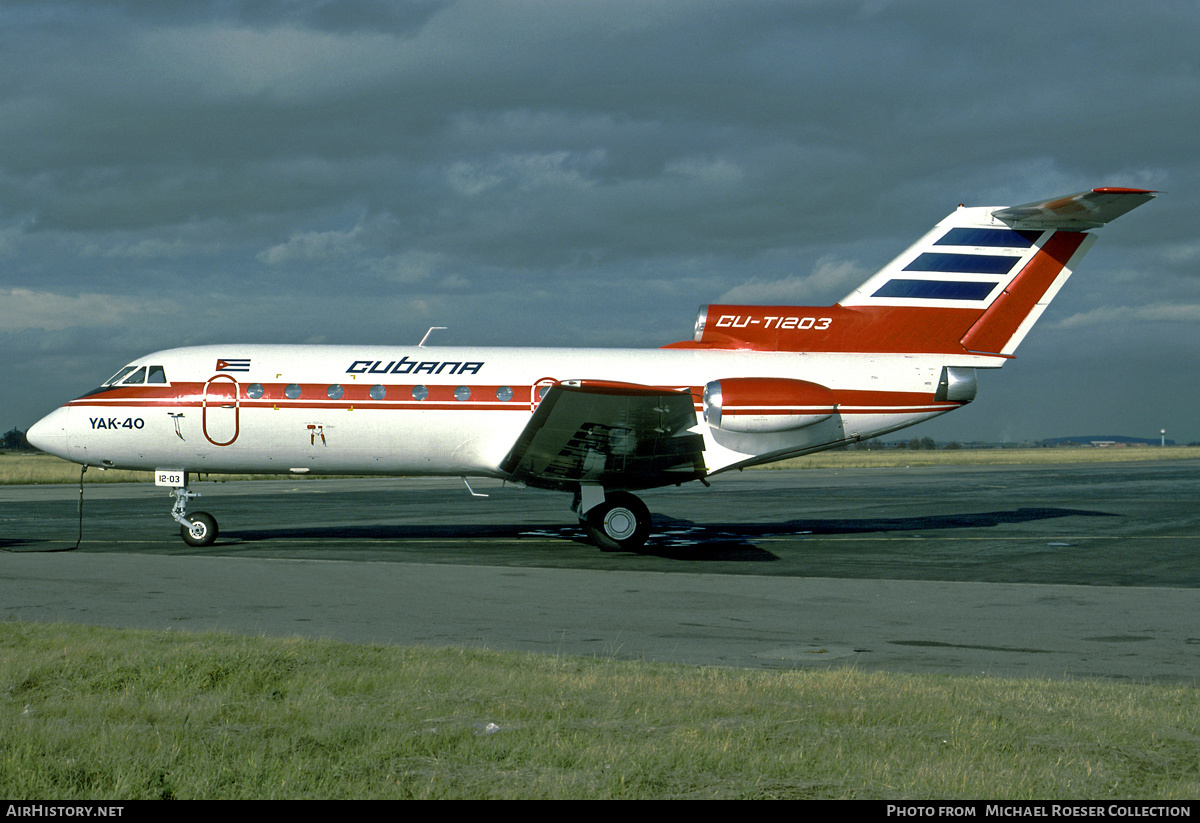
column 974, row 285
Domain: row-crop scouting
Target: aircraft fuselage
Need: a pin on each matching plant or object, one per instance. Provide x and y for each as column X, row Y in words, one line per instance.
column 441, row 410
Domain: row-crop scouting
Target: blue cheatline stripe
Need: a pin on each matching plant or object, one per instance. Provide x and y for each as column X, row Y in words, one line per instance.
column 963, row 263
column 935, row 289
column 990, row 238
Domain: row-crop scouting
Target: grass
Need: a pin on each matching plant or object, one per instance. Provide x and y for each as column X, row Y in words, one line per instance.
column 37, row 469
column 29, row 468
column 891, row 458
column 90, row 712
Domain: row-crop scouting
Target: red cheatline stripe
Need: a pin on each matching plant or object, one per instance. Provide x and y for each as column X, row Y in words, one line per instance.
column 440, row 398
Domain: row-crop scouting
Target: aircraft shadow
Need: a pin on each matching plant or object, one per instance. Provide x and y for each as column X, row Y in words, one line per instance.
column 34, row 545
column 673, row 538
column 708, row 546
column 686, row 540
column 931, row 522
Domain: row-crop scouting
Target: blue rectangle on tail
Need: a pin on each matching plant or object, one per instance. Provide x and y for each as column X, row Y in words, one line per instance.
column 989, row 238
column 963, row 263
column 935, row 289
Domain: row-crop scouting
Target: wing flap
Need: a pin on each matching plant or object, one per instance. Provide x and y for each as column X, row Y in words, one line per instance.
column 618, row 435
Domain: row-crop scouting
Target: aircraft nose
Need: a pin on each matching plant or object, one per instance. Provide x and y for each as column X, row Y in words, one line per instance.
column 50, row 434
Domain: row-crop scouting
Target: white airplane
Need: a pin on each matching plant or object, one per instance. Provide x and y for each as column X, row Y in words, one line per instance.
column 755, row 384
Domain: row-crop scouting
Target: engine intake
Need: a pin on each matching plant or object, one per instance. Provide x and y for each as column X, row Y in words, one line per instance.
column 958, row 384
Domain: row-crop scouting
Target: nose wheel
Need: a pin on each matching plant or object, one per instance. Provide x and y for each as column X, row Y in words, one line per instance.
column 620, row 523
column 198, row 528
column 201, row 532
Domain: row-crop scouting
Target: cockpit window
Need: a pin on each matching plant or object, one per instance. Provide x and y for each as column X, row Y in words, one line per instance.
column 116, row 378
column 137, row 375
column 135, row 379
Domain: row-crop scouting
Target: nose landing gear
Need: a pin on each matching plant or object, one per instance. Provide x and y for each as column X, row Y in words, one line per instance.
column 198, row 528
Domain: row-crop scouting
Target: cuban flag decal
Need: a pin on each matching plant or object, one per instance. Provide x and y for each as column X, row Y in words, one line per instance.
column 233, row 364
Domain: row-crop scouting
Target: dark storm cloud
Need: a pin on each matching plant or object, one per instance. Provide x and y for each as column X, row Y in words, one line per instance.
column 554, row 172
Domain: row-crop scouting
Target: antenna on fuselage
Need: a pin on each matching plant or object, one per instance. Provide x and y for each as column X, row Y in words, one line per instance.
column 421, row 345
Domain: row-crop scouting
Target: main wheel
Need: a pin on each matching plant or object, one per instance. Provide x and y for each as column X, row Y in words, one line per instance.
column 202, row 532
column 620, row 523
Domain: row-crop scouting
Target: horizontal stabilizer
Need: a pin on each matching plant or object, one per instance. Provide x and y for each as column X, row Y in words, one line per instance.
column 1075, row 212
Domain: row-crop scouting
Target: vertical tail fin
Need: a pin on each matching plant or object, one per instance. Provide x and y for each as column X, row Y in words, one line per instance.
column 999, row 268
column 975, row 284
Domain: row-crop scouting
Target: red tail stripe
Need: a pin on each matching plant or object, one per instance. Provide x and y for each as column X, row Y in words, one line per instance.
column 1002, row 319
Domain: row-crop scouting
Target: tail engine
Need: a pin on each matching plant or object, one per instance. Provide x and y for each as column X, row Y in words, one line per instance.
column 759, row 405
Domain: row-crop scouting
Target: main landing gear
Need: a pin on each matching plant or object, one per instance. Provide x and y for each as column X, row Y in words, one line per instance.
column 616, row 521
column 198, row 528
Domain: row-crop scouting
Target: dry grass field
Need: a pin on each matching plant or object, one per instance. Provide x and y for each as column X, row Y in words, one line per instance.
column 35, row 469
column 24, row 468
column 888, row 458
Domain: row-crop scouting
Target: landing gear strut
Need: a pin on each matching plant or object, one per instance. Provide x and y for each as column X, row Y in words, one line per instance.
column 198, row 528
column 620, row 523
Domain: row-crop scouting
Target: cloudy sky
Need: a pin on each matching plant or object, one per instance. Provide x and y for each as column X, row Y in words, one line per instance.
column 584, row 173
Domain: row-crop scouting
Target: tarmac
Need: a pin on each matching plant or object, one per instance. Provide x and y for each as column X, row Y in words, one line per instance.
column 1076, row 571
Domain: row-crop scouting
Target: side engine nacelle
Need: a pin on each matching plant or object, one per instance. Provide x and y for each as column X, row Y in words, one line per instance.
column 759, row 405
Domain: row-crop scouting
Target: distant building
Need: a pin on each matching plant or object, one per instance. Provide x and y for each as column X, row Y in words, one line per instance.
column 1111, row 441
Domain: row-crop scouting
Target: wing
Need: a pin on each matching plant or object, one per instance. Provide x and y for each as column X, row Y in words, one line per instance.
column 618, row 435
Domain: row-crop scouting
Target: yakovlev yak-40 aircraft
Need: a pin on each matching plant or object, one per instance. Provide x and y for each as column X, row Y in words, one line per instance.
column 754, row 384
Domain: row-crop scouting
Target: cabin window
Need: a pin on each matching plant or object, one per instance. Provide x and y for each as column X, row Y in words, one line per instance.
column 420, row 392
column 462, row 393
column 504, row 393
column 292, row 391
column 378, row 392
column 334, row 392
column 254, row 391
